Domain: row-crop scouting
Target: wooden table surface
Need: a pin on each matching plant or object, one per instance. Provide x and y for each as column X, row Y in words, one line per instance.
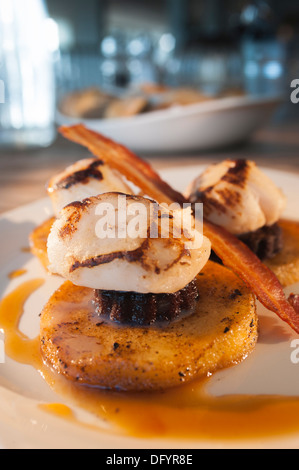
column 23, row 174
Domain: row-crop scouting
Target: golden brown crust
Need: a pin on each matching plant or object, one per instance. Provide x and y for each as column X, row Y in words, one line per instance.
column 285, row 264
column 80, row 345
column 81, row 176
column 74, row 217
column 238, row 173
column 38, row 241
column 230, row 197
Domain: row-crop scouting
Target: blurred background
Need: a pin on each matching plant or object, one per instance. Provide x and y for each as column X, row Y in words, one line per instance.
column 210, row 44
column 52, row 49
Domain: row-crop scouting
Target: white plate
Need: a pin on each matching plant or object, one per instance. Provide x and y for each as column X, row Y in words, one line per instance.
column 268, row 369
column 201, row 126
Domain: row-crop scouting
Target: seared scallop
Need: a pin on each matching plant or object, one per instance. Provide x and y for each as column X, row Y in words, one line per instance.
column 85, row 178
column 126, row 243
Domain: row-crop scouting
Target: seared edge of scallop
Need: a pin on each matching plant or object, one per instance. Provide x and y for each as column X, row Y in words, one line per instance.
column 113, row 252
column 238, row 196
column 85, row 178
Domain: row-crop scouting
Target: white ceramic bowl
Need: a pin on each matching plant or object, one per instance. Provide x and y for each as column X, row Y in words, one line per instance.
column 201, row 126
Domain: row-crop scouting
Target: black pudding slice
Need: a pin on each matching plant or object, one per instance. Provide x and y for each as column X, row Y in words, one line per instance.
column 265, row 242
column 145, row 309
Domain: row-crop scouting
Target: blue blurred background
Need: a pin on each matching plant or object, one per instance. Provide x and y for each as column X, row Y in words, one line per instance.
column 49, row 48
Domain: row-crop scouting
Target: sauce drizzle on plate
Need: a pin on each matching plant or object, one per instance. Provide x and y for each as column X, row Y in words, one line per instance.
column 186, row 411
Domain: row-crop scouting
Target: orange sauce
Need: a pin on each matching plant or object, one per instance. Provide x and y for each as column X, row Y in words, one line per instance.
column 186, row 411
column 26, row 249
column 17, row 345
column 16, row 273
column 58, row 409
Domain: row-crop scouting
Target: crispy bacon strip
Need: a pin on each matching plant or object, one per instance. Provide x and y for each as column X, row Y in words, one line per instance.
column 234, row 254
column 127, row 163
